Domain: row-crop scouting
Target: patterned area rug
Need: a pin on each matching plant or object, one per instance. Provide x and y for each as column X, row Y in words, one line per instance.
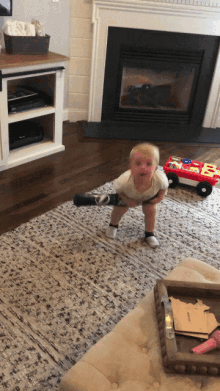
column 64, row 285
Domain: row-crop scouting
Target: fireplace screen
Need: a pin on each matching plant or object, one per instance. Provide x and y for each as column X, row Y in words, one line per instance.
column 157, row 77
column 158, row 86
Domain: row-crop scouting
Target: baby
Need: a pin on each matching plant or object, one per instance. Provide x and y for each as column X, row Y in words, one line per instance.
column 142, row 184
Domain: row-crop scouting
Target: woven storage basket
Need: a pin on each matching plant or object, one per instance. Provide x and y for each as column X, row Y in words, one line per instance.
column 26, row 45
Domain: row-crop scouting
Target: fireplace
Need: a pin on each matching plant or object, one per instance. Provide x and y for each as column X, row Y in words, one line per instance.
column 158, row 78
column 153, row 86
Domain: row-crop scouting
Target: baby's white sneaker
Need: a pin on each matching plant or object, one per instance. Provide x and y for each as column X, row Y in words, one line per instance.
column 152, row 241
column 111, row 232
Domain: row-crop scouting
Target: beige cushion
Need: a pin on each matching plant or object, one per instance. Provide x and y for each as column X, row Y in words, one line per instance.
column 129, row 357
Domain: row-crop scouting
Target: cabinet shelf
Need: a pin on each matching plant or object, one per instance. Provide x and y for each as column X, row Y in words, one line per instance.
column 46, row 76
column 39, row 112
column 32, row 152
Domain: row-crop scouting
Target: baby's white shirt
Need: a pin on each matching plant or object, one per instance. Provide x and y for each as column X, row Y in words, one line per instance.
column 125, row 184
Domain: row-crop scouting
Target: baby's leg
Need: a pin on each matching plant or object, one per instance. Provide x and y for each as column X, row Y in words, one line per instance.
column 117, row 213
column 150, row 212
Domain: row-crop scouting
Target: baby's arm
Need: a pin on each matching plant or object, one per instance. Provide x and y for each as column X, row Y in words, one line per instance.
column 119, row 185
column 159, row 196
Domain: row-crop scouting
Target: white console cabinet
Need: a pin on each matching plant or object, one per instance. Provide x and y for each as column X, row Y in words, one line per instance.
column 44, row 73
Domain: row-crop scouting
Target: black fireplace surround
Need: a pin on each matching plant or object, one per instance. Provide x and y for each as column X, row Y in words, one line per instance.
column 156, row 86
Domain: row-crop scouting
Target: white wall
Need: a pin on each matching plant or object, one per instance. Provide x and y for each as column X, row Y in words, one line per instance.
column 80, row 58
column 56, row 18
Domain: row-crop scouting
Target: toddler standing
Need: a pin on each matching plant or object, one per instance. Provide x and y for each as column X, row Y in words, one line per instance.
column 142, row 184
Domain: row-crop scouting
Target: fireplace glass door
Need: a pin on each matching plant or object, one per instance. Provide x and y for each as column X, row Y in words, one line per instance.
column 158, row 78
column 158, row 86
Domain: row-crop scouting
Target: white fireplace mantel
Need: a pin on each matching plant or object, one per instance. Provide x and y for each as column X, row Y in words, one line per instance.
column 151, row 15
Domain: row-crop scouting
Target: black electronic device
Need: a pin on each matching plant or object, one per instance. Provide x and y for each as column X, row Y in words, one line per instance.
column 24, row 133
column 5, row 7
column 25, row 98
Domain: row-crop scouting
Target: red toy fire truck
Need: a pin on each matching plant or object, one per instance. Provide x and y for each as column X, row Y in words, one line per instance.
column 203, row 176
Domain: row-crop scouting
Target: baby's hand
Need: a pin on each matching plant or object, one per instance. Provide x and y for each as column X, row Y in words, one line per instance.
column 159, row 197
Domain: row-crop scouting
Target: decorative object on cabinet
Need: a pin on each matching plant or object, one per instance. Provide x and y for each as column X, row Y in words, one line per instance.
column 6, row 8
column 26, row 45
column 25, row 38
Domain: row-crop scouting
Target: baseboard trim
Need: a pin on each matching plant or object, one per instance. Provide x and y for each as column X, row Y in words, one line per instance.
column 78, row 115
column 65, row 115
column 141, row 132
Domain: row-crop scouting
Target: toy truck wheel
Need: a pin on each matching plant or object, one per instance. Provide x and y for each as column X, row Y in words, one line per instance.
column 172, row 179
column 204, row 189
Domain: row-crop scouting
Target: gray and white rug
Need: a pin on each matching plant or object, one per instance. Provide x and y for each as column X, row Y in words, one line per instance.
column 64, row 285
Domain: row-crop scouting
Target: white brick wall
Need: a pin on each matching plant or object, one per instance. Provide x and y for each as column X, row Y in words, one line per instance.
column 80, row 58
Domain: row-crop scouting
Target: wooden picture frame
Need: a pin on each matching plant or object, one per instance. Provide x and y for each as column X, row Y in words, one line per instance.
column 176, row 349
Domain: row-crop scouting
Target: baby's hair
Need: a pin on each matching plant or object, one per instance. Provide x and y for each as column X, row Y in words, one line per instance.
column 147, row 148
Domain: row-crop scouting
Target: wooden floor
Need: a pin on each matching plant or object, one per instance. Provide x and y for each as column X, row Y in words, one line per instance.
column 34, row 188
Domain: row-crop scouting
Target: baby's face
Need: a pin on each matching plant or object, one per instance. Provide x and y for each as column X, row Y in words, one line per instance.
column 142, row 166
